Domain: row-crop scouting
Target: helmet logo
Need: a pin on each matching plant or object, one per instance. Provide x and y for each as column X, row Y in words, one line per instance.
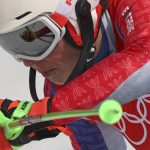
column 68, row 2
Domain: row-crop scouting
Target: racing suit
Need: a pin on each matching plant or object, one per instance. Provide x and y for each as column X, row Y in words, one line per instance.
column 120, row 71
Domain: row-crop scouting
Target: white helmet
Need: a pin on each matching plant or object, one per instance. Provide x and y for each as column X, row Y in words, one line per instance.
column 17, row 12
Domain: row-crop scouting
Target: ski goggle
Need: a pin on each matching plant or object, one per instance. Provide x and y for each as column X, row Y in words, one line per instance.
column 34, row 40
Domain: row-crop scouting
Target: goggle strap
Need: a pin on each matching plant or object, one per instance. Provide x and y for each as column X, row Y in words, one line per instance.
column 59, row 19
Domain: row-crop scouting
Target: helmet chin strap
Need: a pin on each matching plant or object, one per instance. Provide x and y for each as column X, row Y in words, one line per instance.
column 85, row 22
column 32, row 84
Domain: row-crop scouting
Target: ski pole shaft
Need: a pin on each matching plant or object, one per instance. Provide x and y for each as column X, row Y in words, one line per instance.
column 53, row 116
column 109, row 112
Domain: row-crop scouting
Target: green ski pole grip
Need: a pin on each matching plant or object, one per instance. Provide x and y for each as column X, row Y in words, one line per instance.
column 13, row 133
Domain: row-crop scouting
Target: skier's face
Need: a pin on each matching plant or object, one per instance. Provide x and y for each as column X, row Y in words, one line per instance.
column 58, row 65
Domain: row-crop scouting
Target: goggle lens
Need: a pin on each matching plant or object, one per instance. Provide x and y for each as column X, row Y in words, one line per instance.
column 33, row 41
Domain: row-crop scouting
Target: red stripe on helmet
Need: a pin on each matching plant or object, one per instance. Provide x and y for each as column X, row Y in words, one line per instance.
column 59, row 19
column 74, row 34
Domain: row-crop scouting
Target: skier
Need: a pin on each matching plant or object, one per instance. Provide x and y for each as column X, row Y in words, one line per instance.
column 88, row 51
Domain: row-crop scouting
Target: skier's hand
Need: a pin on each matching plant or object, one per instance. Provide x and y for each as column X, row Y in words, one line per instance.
column 12, row 110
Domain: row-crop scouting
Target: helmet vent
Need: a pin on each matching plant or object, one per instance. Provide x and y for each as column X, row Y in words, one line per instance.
column 23, row 15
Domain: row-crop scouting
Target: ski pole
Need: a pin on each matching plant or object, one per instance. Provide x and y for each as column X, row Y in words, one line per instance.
column 109, row 111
